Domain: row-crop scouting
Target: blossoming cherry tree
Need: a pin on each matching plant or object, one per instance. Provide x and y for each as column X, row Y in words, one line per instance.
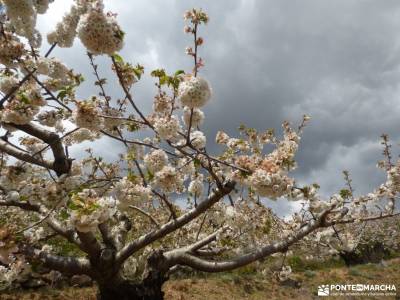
column 120, row 219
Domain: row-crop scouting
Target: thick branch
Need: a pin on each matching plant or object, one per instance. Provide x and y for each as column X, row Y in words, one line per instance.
column 171, row 226
column 367, row 219
column 24, row 205
column 61, row 164
column 183, row 258
column 70, row 235
column 90, row 244
column 107, row 236
column 70, row 265
column 122, row 229
column 208, row 239
column 10, row 150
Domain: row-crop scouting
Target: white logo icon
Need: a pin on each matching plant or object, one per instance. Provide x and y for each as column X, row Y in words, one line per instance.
column 323, row 290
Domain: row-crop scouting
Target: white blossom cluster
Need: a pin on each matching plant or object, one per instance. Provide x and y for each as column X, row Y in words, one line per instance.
column 197, row 117
column 221, row 138
column 167, row 127
column 86, row 115
column 11, row 49
column 169, row 180
column 90, row 210
column 65, row 31
column 270, row 185
column 186, row 167
column 32, row 145
column 22, row 15
column 196, row 186
column 23, row 108
column 56, row 71
column 393, row 178
column 129, row 193
column 198, row 139
column 7, row 83
column 100, row 32
column 111, row 119
column 266, row 174
column 51, row 118
column 162, row 105
column 194, row 92
column 156, row 160
column 81, row 135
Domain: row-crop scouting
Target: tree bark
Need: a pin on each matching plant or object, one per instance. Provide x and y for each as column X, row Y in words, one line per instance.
column 148, row 289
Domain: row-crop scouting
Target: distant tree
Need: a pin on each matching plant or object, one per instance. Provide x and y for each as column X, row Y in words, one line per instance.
column 120, row 218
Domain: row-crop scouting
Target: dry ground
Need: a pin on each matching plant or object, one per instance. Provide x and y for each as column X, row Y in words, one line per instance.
column 245, row 286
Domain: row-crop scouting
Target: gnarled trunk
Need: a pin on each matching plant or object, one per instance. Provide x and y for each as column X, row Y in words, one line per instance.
column 127, row 290
column 369, row 253
column 113, row 286
column 119, row 288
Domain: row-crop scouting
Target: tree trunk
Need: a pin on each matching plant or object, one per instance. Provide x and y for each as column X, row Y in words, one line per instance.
column 127, row 290
column 369, row 253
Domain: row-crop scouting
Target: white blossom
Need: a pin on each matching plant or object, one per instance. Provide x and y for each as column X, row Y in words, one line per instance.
column 197, row 117
column 167, row 128
column 194, row 92
column 156, row 160
column 100, row 33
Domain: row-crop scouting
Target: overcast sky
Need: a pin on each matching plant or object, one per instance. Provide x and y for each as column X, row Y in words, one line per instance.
column 275, row 60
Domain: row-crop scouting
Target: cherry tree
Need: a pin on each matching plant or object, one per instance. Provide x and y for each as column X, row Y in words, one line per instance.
column 121, row 217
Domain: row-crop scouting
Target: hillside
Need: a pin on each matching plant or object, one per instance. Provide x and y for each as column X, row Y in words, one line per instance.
column 255, row 286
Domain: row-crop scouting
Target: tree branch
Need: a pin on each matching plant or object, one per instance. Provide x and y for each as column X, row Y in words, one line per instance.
column 171, row 226
column 106, row 235
column 24, row 156
column 145, row 214
column 182, row 257
column 70, row 265
column 90, row 244
column 61, row 164
column 70, row 235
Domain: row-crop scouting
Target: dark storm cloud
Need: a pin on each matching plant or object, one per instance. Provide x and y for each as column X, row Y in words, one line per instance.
column 278, row 59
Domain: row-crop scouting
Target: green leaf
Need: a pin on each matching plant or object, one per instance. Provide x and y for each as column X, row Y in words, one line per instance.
column 118, row 58
column 345, row 193
column 64, row 215
column 179, row 72
column 197, row 162
column 150, row 176
column 73, row 206
column 24, row 98
column 158, row 73
column 62, row 94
